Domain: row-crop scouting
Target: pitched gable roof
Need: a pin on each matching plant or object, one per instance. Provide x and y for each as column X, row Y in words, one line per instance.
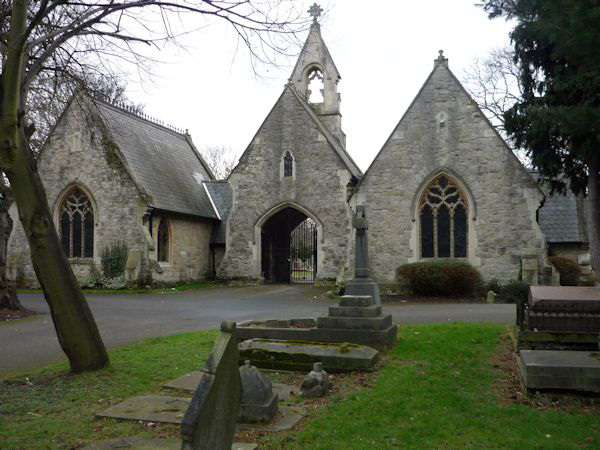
column 441, row 64
column 163, row 163
column 331, row 139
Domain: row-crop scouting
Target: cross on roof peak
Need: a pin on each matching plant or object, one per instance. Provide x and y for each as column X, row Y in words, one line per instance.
column 315, row 11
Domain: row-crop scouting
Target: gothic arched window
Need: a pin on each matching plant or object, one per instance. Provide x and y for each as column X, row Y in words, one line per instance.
column 443, row 214
column 163, row 241
column 315, row 86
column 77, row 225
column 288, row 165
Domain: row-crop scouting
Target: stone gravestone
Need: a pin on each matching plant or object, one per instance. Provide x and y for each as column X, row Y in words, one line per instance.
column 362, row 284
column 259, row 402
column 209, row 422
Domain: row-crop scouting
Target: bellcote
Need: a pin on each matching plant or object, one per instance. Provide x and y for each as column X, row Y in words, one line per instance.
column 315, row 76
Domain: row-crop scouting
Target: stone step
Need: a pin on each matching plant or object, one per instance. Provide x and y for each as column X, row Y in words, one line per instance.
column 355, row 311
column 355, row 323
column 356, row 300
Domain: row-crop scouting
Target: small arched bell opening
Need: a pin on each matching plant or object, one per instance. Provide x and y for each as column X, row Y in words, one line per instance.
column 289, row 248
column 316, row 86
column 443, row 211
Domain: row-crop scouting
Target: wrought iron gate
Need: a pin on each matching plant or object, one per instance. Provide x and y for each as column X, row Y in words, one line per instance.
column 289, row 248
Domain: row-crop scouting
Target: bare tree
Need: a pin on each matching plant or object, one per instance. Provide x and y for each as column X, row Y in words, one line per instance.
column 494, row 84
column 59, row 36
column 220, row 159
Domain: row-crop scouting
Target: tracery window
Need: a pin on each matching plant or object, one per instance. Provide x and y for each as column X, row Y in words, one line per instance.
column 288, row 165
column 443, row 214
column 163, row 241
column 77, row 225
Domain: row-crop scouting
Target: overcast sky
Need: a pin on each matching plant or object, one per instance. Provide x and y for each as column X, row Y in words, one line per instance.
column 384, row 51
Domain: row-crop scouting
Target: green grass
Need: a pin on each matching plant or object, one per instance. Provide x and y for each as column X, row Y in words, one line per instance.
column 435, row 390
column 134, row 291
column 49, row 408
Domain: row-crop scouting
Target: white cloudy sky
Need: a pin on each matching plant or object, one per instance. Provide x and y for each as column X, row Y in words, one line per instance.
column 384, row 51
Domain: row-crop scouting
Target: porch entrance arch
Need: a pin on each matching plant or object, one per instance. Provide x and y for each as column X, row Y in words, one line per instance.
column 289, row 247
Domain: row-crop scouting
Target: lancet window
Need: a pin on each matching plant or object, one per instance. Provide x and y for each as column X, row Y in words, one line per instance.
column 443, row 217
column 77, row 225
column 163, row 241
column 288, row 165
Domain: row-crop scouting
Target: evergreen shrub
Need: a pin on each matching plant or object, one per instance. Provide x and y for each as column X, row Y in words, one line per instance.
column 114, row 259
column 440, row 278
column 568, row 269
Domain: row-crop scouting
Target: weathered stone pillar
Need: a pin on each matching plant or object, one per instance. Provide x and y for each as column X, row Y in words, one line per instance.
column 362, row 284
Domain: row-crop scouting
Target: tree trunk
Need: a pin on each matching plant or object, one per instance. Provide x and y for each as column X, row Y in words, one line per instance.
column 8, row 292
column 593, row 212
column 73, row 320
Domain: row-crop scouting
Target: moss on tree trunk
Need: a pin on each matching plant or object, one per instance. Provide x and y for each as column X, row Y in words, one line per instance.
column 75, row 326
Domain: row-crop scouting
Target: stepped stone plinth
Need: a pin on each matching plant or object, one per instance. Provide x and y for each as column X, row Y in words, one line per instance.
column 361, row 317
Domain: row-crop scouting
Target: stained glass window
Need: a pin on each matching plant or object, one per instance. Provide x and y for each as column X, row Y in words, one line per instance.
column 288, row 165
column 163, row 241
column 77, row 225
column 443, row 215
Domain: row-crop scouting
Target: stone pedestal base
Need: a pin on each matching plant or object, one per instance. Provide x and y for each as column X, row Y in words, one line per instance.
column 250, row 413
column 364, row 286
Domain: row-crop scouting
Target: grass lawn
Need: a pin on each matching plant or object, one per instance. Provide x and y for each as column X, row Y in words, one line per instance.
column 435, row 390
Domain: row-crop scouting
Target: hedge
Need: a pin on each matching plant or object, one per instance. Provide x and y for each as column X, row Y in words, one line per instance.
column 440, row 278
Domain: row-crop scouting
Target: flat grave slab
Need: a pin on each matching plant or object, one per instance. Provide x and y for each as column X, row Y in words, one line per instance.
column 287, row 417
column 135, row 443
column 155, row 408
column 560, row 369
column 189, row 383
column 300, row 355
column 568, row 296
column 150, row 408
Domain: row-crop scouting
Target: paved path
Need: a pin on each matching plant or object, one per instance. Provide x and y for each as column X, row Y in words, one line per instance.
column 124, row 319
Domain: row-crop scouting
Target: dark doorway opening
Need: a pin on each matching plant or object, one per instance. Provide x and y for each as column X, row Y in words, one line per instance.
column 289, row 248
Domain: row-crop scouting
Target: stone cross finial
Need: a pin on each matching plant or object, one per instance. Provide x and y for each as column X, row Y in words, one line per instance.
column 315, row 11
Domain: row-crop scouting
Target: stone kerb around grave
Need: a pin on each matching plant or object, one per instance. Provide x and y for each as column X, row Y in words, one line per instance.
column 209, row 422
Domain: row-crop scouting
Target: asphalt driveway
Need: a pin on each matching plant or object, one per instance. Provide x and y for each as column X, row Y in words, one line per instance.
column 123, row 319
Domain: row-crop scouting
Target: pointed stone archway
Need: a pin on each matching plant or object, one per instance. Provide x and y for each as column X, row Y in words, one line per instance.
column 289, row 246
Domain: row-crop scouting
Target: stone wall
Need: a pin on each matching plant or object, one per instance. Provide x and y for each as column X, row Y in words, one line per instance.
column 444, row 131
column 189, row 256
column 77, row 154
column 318, row 188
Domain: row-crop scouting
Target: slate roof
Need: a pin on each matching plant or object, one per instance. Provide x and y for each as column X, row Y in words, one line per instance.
column 562, row 218
column 164, row 164
column 222, row 197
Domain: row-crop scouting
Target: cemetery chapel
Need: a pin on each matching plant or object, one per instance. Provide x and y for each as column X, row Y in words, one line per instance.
column 444, row 185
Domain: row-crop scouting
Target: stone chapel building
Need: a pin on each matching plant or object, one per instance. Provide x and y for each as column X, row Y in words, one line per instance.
column 444, row 185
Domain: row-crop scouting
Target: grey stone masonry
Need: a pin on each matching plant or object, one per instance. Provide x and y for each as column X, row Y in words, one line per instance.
column 319, row 189
column 444, row 132
column 78, row 153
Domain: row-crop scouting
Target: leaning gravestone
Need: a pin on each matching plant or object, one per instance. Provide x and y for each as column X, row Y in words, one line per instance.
column 259, row 402
column 209, row 422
